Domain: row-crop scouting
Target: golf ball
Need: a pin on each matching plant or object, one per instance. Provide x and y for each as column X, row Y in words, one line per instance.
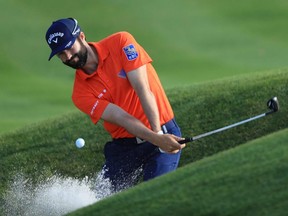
column 80, row 142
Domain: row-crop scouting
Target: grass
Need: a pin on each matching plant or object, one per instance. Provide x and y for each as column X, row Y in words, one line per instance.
column 190, row 42
column 250, row 179
column 47, row 148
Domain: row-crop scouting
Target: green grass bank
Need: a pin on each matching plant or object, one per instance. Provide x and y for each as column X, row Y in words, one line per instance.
column 46, row 148
column 248, row 180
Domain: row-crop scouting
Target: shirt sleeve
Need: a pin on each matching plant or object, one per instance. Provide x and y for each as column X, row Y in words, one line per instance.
column 89, row 104
column 132, row 55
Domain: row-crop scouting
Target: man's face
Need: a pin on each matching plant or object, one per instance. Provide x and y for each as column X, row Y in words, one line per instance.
column 76, row 56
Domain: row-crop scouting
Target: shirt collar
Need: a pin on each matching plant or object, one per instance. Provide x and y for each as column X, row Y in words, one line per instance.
column 102, row 54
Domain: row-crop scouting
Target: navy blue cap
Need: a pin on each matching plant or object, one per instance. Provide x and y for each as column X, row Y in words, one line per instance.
column 62, row 34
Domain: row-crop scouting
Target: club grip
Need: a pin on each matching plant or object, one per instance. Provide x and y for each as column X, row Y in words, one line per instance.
column 187, row 139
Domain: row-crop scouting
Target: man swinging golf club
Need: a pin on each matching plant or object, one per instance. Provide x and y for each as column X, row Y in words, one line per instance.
column 116, row 82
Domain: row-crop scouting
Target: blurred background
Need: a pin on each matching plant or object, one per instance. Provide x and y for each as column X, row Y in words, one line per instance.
column 190, row 42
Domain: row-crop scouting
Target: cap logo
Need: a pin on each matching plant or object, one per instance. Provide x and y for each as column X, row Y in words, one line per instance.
column 56, row 40
column 52, row 36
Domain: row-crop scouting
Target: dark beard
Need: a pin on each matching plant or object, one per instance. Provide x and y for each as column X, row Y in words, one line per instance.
column 82, row 59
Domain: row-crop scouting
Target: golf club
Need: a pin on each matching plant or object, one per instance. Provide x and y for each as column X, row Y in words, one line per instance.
column 272, row 104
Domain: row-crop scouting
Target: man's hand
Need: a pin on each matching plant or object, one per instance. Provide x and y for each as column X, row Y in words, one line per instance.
column 169, row 143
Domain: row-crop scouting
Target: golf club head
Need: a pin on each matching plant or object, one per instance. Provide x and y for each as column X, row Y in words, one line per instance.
column 273, row 104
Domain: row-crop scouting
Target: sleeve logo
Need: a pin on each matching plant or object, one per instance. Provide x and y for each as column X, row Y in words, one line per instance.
column 130, row 52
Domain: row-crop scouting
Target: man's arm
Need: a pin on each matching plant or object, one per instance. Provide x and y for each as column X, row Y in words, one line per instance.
column 139, row 81
column 116, row 115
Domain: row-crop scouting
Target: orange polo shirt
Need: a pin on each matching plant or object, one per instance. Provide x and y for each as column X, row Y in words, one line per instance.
column 118, row 54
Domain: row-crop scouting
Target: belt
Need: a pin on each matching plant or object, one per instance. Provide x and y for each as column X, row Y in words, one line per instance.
column 136, row 140
column 170, row 124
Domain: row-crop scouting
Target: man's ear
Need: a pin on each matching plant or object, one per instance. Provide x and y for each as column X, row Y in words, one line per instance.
column 82, row 36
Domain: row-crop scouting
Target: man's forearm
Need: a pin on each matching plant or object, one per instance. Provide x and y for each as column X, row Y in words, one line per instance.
column 116, row 115
column 140, row 82
column 151, row 110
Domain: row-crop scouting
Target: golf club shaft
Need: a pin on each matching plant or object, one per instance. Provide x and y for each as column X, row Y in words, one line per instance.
column 190, row 139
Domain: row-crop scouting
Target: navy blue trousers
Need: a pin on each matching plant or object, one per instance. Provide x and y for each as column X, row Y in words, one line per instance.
column 127, row 162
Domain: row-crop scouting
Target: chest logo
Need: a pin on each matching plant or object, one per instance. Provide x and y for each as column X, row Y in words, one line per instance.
column 102, row 93
column 130, row 52
column 122, row 74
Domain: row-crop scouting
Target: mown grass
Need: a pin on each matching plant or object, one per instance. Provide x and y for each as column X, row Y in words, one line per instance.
column 203, row 108
column 47, row 148
column 190, row 42
column 248, row 180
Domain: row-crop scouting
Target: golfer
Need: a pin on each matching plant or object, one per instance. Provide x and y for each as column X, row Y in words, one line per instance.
column 116, row 82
